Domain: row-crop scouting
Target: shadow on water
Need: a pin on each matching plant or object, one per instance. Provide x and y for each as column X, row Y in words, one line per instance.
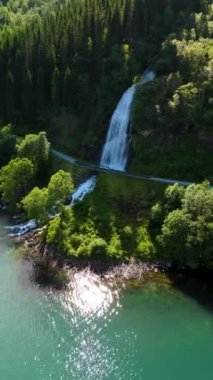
column 196, row 284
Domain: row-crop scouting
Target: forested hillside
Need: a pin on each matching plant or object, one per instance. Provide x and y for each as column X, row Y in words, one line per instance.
column 65, row 64
column 172, row 116
column 63, row 67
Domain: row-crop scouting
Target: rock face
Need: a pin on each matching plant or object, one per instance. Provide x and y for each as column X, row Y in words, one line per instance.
column 47, row 269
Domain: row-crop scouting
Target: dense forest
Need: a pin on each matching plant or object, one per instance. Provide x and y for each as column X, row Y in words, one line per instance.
column 63, row 67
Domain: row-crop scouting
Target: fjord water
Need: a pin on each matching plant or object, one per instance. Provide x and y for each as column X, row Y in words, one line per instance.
column 92, row 332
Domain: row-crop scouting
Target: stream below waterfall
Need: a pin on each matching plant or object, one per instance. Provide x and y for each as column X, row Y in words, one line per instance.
column 92, row 332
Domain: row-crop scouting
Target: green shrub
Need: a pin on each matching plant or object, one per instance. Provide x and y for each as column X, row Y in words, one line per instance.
column 97, row 247
column 145, row 247
column 115, row 246
column 16, row 179
column 59, row 189
column 35, row 205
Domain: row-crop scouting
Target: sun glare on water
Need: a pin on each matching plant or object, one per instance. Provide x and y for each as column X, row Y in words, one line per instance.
column 88, row 295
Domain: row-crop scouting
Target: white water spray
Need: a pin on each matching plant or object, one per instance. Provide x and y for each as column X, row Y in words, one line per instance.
column 115, row 151
column 85, row 188
column 22, row 229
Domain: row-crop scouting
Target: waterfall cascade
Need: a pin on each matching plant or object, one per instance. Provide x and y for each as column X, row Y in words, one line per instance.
column 115, row 150
column 114, row 153
column 23, row 228
column 85, row 188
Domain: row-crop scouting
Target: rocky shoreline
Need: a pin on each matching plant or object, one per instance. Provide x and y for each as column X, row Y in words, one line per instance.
column 50, row 262
column 52, row 269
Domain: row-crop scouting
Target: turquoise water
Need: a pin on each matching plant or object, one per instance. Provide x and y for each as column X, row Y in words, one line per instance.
column 92, row 332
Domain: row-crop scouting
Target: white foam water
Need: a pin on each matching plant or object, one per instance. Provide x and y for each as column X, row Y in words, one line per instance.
column 22, row 229
column 115, row 151
column 85, row 188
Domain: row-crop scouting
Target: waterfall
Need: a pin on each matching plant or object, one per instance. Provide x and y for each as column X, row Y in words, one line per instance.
column 85, row 188
column 22, row 229
column 115, row 151
column 147, row 76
